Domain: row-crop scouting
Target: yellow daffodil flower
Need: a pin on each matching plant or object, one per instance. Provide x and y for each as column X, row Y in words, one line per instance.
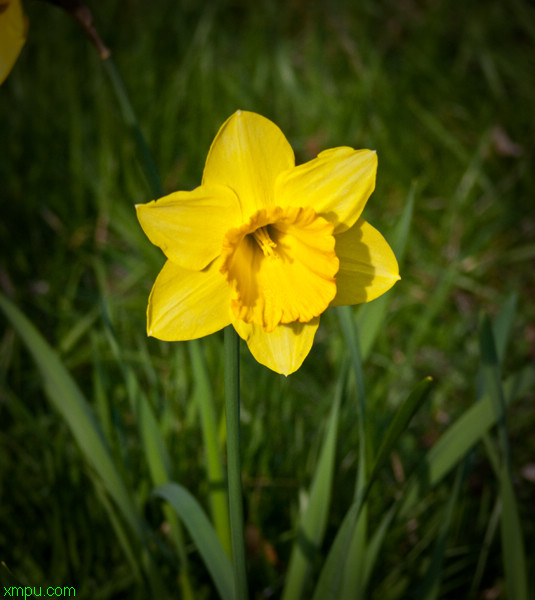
column 265, row 245
column 13, row 29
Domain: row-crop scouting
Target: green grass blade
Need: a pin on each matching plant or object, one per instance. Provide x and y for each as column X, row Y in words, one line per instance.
column 203, row 535
column 492, row 381
column 430, row 585
column 350, row 332
column 145, row 157
column 513, row 552
column 502, row 325
column 332, row 582
column 440, row 296
column 314, row 519
column 375, row 544
column 154, row 447
column 351, row 335
column 118, row 527
column 371, row 315
column 357, row 558
column 155, row 452
column 214, row 462
column 492, row 528
column 357, row 544
column 355, row 561
column 461, row 436
column 70, row 403
column 331, row 576
column 400, row 422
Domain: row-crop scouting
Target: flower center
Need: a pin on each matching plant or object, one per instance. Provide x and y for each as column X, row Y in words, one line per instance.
column 266, row 244
column 281, row 266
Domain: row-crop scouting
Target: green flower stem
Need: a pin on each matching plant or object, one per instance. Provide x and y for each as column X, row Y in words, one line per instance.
column 129, row 116
column 232, row 399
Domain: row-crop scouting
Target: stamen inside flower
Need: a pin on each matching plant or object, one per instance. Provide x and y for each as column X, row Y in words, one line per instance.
column 299, row 285
column 267, row 245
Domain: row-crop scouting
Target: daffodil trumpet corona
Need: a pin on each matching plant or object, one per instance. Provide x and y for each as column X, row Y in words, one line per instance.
column 264, row 245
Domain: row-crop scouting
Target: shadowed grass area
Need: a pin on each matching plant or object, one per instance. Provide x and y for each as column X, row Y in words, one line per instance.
column 445, row 97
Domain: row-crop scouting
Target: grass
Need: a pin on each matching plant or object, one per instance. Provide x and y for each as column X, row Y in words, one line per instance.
column 446, row 102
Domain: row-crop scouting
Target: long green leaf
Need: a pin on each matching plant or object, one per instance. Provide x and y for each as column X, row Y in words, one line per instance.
column 356, row 550
column 154, row 447
column 374, row 545
column 400, row 422
column 430, row 585
column 461, row 436
column 513, row 553
column 203, row 396
column 314, row 519
column 203, row 535
column 502, row 325
column 331, row 577
column 69, row 401
column 331, row 581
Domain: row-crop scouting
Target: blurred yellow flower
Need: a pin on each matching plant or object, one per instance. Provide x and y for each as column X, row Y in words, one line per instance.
column 265, row 245
column 13, row 29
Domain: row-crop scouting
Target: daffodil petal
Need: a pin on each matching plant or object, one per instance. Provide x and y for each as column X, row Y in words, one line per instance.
column 368, row 266
column 336, row 184
column 13, row 30
column 282, row 350
column 185, row 305
column 247, row 154
column 189, row 226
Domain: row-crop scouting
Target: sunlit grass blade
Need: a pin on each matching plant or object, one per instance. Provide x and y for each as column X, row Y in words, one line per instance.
column 214, row 462
column 513, row 553
column 311, row 527
column 203, row 535
column 371, row 315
